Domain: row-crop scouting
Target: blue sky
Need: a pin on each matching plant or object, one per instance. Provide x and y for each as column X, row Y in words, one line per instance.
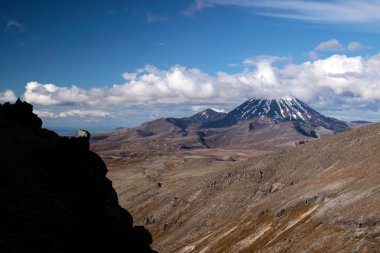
column 104, row 64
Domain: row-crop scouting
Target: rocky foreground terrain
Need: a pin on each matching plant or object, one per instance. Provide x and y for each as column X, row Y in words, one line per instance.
column 322, row 196
column 54, row 196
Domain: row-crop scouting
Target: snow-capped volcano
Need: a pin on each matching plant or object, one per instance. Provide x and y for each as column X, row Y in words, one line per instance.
column 283, row 109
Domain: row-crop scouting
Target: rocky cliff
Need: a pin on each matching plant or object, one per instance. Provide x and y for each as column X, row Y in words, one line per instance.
column 54, row 194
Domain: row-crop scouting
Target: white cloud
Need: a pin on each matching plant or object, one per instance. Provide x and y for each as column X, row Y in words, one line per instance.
column 330, row 45
column 334, row 45
column 334, row 11
column 338, row 81
column 336, row 78
column 355, row 46
column 50, row 94
column 14, row 26
column 176, row 85
column 7, row 96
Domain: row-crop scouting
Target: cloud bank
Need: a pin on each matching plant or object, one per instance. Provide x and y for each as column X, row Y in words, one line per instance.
column 339, row 82
column 338, row 76
column 50, row 94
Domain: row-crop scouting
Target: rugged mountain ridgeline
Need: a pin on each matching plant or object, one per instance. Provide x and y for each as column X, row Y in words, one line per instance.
column 54, row 195
column 260, row 124
column 322, row 196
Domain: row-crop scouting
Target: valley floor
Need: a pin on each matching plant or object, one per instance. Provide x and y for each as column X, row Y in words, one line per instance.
column 322, row 196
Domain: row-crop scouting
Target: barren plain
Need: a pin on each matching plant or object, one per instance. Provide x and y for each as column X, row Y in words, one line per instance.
column 322, row 196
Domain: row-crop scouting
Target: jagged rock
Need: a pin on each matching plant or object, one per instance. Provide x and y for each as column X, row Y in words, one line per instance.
column 54, row 195
column 305, row 129
column 20, row 113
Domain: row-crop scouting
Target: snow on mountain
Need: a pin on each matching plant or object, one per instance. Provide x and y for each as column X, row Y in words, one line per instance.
column 209, row 114
column 218, row 110
column 283, row 109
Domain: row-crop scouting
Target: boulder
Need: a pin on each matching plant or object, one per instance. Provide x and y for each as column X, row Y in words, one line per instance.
column 83, row 134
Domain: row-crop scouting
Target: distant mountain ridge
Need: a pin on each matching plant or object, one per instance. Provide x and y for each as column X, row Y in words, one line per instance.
column 209, row 114
column 255, row 124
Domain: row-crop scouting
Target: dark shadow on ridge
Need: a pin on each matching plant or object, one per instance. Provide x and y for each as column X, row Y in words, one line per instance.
column 54, row 194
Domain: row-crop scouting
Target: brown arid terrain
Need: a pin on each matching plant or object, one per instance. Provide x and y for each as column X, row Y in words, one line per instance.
column 322, row 196
column 166, row 139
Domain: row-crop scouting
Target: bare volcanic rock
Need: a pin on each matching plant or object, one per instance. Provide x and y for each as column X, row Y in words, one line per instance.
column 54, row 195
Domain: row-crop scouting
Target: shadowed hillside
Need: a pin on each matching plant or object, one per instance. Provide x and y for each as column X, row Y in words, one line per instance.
column 54, row 195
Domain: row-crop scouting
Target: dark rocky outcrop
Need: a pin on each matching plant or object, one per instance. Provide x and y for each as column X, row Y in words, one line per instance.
column 19, row 113
column 54, row 195
column 305, row 129
column 202, row 138
column 361, row 122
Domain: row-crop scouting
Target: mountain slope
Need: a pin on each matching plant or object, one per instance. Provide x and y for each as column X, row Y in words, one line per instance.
column 322, row 196
column 54, row 194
